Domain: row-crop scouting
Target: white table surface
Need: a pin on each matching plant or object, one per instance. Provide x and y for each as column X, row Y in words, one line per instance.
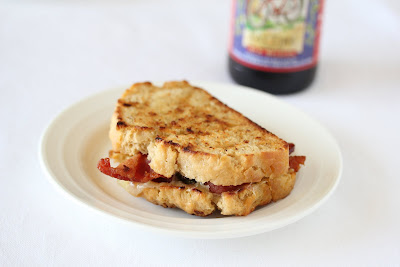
column 53, row 54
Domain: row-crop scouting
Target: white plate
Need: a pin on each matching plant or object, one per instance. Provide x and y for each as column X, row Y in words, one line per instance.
column 78, row 137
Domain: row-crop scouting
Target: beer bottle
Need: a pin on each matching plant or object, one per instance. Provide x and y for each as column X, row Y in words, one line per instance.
column 274, row 43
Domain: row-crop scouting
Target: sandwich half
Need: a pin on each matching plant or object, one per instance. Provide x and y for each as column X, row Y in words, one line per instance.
column 178, row 146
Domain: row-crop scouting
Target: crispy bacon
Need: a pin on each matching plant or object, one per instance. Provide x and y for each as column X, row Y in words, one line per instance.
column 295, row 161
column 291, row 148
column 218, row 189
column 135, row 169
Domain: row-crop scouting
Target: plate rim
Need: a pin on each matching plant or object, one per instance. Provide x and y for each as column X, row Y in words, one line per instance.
column 51, row 176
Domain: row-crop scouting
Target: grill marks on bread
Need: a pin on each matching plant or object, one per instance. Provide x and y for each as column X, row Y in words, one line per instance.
column 190, row 112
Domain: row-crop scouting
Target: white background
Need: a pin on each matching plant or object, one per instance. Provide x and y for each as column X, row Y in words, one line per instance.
column 53, row 54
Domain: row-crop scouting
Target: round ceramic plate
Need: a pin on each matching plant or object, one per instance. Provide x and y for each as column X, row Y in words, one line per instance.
column 77, row 138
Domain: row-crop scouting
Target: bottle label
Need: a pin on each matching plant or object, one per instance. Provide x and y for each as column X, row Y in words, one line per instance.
column 276, row 35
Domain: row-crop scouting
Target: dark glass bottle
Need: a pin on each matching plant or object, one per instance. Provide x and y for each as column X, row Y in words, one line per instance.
column 272, row 82
column 274, row 44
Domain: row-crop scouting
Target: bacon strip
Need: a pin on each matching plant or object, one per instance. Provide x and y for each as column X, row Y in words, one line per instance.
column 218, row 189
column 291, row 148
column 135, row 169
column 295, row 161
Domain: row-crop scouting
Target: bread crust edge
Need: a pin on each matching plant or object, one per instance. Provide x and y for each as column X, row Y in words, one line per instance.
column 203, row 203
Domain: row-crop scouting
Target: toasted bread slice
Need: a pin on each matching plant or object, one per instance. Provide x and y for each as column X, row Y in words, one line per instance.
column 184, row 129
column 198, row 200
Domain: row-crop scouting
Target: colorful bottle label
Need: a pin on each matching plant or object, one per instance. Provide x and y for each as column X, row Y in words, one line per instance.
column 276, row 35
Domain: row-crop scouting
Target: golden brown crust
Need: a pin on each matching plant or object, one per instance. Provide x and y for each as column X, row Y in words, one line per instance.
column 201, row 202
column 184, row 129
column 187, row 198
